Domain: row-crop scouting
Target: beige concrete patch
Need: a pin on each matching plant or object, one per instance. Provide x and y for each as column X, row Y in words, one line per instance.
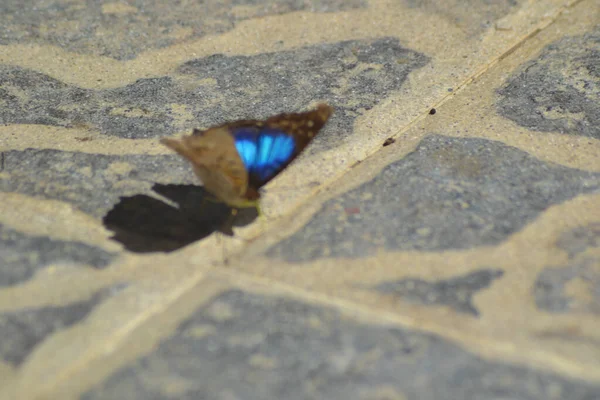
column 510, row 325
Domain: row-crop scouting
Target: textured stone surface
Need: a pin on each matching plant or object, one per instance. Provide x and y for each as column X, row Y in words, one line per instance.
column 456, row 293
column 122, row 30
column 253, row 347
column 558, row 91
column 351, row 75
column 450, row 193
column 22, row 255
column 91, row 182
column 573, row 288
column 23, row 330
column 580, row 239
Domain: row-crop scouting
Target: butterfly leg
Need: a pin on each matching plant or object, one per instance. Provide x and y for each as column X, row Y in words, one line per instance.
column 259, row 211
column 261, row 217
column 226, row 229
column 210, row 198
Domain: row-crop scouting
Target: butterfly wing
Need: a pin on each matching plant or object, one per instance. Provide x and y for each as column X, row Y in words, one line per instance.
column 234, row 160
column 267, row 147
column 264, row 152
column 215, row 160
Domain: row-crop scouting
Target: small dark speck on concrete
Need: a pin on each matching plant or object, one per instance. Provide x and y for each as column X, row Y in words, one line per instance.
column 432, row 111
column 389, row 141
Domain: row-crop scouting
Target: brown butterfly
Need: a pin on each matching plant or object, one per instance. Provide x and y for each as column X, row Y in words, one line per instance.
column 236, row 159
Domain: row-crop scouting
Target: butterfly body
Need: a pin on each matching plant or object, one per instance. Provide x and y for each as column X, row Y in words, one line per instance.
column 236, row 159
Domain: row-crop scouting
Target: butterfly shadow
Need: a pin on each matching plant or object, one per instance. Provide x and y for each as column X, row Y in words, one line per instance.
column 145, row 224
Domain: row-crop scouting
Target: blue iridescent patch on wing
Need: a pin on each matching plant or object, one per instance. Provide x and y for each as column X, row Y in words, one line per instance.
column 264, row 152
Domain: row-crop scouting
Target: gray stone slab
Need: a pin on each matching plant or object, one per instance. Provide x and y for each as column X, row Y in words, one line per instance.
column 559, row 91
column 449, row 193
column 21, row 255
column 247, row 346
column 551, row 288
column 456, row 293
column 352, row 76
column 579, row 240
column 22, row 330
column 124, row 30
column 91, row 182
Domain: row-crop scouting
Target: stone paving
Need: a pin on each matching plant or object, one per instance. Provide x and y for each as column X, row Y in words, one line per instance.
column 440, row 238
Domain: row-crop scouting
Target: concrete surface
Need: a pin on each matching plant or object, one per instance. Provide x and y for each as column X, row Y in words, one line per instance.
column 459, row 261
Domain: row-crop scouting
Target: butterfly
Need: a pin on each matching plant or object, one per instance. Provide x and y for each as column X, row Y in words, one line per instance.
column 234, row 160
